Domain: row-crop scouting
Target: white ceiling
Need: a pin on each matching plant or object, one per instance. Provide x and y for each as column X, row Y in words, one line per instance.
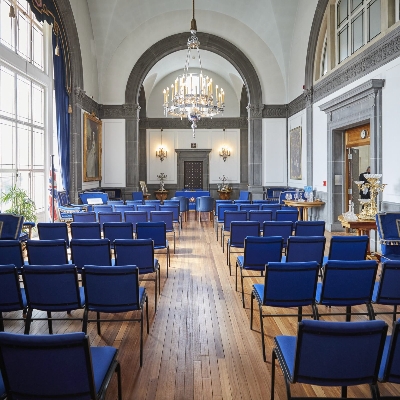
column 265, row 30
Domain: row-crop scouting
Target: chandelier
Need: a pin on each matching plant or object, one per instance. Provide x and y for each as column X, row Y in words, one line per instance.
column 192, row 94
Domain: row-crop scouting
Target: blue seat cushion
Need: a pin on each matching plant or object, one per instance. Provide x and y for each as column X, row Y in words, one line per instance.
column 101, row 360
column 286, row 346
column 258, row 290
column 240, row 261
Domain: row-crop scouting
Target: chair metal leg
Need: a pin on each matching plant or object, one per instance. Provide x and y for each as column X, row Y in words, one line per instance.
column 241, row 281
column 159, row 279
column 348, row 313
column 300, row 314
column 118, row 371
column 344, row 392
column 174, row 242
column 1, row 322
column 98, row 324
column 251, row 310
column 273, row 374
column 262, row 333
column 141, row 337
column 315, row 312
column 394, row 313
column 155, row 292
column 371, row 312
column 85, row 320
column 49, row 322
column 147, row 314
column 28, row 321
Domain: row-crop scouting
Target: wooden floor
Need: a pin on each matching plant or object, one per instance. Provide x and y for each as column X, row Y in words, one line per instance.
column 200, row 344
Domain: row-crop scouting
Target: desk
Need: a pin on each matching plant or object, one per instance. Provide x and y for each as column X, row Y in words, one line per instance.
column 305, row 205
column 192, row 195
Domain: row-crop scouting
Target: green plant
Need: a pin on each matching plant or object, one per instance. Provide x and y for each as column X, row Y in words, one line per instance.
column 20, row 203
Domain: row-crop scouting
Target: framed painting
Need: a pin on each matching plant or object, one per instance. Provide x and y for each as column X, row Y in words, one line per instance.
column 295, row 153
column 91, row 148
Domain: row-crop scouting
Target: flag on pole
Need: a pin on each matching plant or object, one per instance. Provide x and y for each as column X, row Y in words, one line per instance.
column 53, row 197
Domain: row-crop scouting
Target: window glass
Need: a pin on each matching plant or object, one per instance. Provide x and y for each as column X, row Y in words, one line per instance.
column 38, row 190
column 343, row 40
column 7, row 92
column 374, row 13
column 37, row 46
column 7, row 26
column 342, row 11
column 38, row 148
column 38, row 104
column 357, row 32
column 23, row 99
column 324, row 60
column 7, row 144
column 24, row 144
column 355, row 4
column 23, row 35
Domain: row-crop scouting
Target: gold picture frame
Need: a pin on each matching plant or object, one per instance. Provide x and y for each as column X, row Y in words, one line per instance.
column 295, row 154
column 92, row 138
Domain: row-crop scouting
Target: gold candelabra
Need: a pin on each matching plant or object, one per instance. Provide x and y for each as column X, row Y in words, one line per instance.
column 369, row 206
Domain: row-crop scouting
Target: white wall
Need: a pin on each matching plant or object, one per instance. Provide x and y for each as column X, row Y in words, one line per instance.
column 88, row 49
column 182, row 139
column 274, row 152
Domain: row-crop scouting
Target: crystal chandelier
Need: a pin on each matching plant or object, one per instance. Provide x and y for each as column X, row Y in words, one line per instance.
column 192, row 94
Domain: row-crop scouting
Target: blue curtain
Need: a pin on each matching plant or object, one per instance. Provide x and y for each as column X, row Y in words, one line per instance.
column 62, row 101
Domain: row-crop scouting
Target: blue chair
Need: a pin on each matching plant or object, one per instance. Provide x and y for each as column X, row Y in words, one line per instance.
column 11, row 227
column 220, row 211
column 386, row 291
column 123, row 208
column 89, row 216
column 112, row 216
column 156, row 203
column 157, row 231
column 183, row 205
column 134, row 203
column 53, row 230
column 114, row 290
column 176, row 213
column 309, row 228
column 134, row 217
column 51, row 288
column 65, row 209
column 117, row 230
column 347, row 284
column 138, row 196
column 244, row 195
column 287, row 215
column 115, row 202
column 11, row 253
column 260, row 202
column 174, row 203
column 348, row 248
column 146, row 207
column 93, row 197
column 204, row 204
column 90, row 252
column 56, row 366
column 258, row 251
column 286, row 285
column 230, row 216
column 218, row 202
column 260, row 216
column 271, row 207
column 12, row 296
column 278, row 228
column 389, row 370
column 139, row 252
column 103, row 208
column 249, row 207
column 305, row 248
column 331, row 354
column 47, row 252
column 389, row 235
column 238, row 232
column 167, row 217
column 239, row 202
column 85, row 230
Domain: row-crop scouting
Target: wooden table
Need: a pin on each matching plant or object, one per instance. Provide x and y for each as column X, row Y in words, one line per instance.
column 161, row 195
column 305, row 205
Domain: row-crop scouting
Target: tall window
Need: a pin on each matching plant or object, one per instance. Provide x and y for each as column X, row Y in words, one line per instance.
column 324, row 57
column 357, row 23
column 23, row 126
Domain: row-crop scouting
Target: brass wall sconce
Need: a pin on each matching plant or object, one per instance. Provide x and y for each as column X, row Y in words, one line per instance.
column 224, row 153
column 161, row 153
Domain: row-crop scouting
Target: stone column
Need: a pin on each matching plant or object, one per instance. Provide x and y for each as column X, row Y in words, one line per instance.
column 255, row 150
column 308, row 94
column 131, row 112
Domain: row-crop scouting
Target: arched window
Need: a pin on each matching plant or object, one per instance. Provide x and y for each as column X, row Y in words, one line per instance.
column 324, row 57
column 357, row 23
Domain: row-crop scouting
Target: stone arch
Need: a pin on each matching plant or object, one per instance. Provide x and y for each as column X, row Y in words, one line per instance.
column 208, row 42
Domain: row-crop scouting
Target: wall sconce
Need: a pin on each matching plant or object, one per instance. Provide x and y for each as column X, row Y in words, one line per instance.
column 161, row 153
column 224, row 153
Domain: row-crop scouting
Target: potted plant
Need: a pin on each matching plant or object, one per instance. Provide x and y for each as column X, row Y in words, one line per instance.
column 20, row 203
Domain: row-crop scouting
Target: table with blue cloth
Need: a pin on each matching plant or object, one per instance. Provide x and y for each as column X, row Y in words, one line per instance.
column 192, row 195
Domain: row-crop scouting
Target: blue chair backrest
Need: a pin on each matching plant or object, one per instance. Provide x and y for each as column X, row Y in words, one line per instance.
column 204, row 204
column 53, row 230
column 10, row 226
column 85, row 230
column 230, row 216
column 32, row 365
column 84, row 217
column 156, row 203
column 146, row 207
column 102, row 208
column 244, row 195
column 90, row 252
column 139, row 252
column 133, row 203
column 115, row 202
column 47, row 252
column 136, row 216
column 174, row 208
column 336, row 348
column 291, row 284
column 390, row 365
column 306, row 248
column 157, row 231
column 123, row 208
column 348, row 283
column 241, row 229
column 52, row 287
column 260, row 202
column 163, row 216
column 221, row 208
column 350, row 248
column 241, row 202
column 11, row 297
column 183, row 203
column 259, row 251
column 11, row 253
column 309, row 228
column 117, row 230
column 109, row 217
column 287, row 215
column 260, row 216
column 93, row 195
column 137, row 196
column 111, row 289
column 278, row 228
column 249, row 207
column 271, row 207
column 219, row 202
column 387, row 290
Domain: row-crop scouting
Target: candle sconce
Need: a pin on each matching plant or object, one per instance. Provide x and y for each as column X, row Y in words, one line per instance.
column 369, row 206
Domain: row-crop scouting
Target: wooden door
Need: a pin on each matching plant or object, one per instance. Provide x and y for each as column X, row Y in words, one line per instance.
column 193, row 175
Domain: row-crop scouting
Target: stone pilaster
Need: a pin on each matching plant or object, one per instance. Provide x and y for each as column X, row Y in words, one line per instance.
column 131, row 112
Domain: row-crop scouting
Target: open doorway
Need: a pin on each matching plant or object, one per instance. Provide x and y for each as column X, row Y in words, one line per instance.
column 358, row 160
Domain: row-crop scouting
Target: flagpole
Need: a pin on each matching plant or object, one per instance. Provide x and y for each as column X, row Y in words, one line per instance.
column 52, row 187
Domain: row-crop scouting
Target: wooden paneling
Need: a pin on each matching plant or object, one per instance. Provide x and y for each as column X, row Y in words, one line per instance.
column 353, row 136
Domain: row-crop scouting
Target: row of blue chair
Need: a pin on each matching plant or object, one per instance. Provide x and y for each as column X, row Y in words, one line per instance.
column 339, row 354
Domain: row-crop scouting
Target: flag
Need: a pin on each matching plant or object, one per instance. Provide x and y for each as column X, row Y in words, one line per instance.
column 52, row 180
